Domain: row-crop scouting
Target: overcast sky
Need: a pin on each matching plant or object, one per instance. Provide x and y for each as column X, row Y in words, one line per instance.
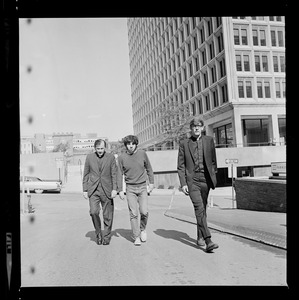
column 75, row 77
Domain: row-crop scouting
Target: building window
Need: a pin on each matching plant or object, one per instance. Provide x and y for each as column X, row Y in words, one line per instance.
column 248, row 89
column 275, row 64
column 282, row 130
column 255, row 37
column 277, row 89
column 213, row 74
column 241, row 89
column 236, row 37
column 200, row 110
column 273, row 38
column 280, row 39
column 244, row 37
column 208, row 107
column 205, row 80
column 224, row 93
column 259, row 89
column 283, row 89
column 193, row 108
column 215, row 98
column 212, row 51
column 204, row 57
column 223, row 136
column 282, row 64
column 210, row 26
column 267, row 89
column 255, row 132
column 263, row 89
column 257, row 63
column 262, row 37
column 246, row 63
column 222, row 68
column 198, row 84
column 265, row 63
column 220, row 42
column 238, row 63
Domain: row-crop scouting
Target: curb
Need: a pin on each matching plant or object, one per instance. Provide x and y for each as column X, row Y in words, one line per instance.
column 261, row 237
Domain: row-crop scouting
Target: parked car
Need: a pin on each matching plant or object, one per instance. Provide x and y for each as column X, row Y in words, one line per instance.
column 38, row 185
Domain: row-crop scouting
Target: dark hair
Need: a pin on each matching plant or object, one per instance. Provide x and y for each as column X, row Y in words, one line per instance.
column 99, row 141
column 130, row 139
column 195, row 121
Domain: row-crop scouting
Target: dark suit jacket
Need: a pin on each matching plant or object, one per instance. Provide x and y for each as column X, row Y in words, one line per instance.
column 186, row 163
column 93, row 175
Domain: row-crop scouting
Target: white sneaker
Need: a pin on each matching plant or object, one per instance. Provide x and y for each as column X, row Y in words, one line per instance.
column 143, row 236
column 137, row 241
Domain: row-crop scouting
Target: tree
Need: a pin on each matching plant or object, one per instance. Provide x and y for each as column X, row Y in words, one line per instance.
column 174, row 122
column 118, row 148
column 62, row 147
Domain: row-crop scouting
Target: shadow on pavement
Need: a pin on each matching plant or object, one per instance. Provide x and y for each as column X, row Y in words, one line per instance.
column 125, row 233
column 91, row 235
column 178, row 236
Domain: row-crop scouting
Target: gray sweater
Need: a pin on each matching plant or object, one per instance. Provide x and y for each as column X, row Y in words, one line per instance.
column 136, row 167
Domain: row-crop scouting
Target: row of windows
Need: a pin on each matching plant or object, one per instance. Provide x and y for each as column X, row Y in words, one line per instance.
column 159, row 74
column 261, row 62
column 255, row 132
column 263, row 88
column 271, row 18
column 259, row 36
column 185, row 81
column 153, row 60
column 202, row 103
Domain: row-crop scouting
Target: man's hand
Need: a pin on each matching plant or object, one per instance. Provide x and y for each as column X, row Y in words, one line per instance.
column 185, row 190
column 85, row 195
column 151, row 187
column 122, row 195
column 113, row 194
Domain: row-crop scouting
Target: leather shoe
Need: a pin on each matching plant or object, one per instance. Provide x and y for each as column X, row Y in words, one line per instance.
column 211, row 246
column 106, row 242
column 201, row 242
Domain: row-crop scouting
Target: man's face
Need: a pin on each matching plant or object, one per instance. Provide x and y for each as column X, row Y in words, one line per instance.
column 131, row 147
column 100, row 149
column 196, row 130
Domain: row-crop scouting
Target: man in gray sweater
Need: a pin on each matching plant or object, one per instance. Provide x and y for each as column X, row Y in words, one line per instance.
column 136, row 168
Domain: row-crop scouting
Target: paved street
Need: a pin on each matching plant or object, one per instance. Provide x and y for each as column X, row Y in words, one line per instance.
column 58, row 249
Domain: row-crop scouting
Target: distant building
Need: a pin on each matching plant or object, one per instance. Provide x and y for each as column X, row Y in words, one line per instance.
column 26, row 147
column 40, row 142
column 63, row 138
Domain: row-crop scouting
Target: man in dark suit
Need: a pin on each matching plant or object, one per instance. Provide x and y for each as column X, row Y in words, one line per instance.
column 100, row 187
column 197, row 168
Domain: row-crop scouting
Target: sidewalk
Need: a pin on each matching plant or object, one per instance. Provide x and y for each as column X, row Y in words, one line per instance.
column 265, row 227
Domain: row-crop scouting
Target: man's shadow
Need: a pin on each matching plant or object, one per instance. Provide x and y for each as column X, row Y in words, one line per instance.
column 178, row 236
column 125, row 233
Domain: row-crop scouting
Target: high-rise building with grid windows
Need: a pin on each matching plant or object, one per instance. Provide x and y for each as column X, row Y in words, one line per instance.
column 229, row 70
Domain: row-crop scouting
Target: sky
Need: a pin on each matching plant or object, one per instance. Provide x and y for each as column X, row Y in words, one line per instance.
column 75, row 77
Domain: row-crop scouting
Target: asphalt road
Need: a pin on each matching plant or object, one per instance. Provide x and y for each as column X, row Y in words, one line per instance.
column 58, row 249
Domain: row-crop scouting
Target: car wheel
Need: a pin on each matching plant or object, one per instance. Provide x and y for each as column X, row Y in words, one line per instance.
column 38, row 191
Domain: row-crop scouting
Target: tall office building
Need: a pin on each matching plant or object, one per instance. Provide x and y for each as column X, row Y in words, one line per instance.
column 229, row 70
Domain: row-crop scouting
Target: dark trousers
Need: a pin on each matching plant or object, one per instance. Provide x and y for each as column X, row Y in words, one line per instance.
column 97, row 198
column 199, row 196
